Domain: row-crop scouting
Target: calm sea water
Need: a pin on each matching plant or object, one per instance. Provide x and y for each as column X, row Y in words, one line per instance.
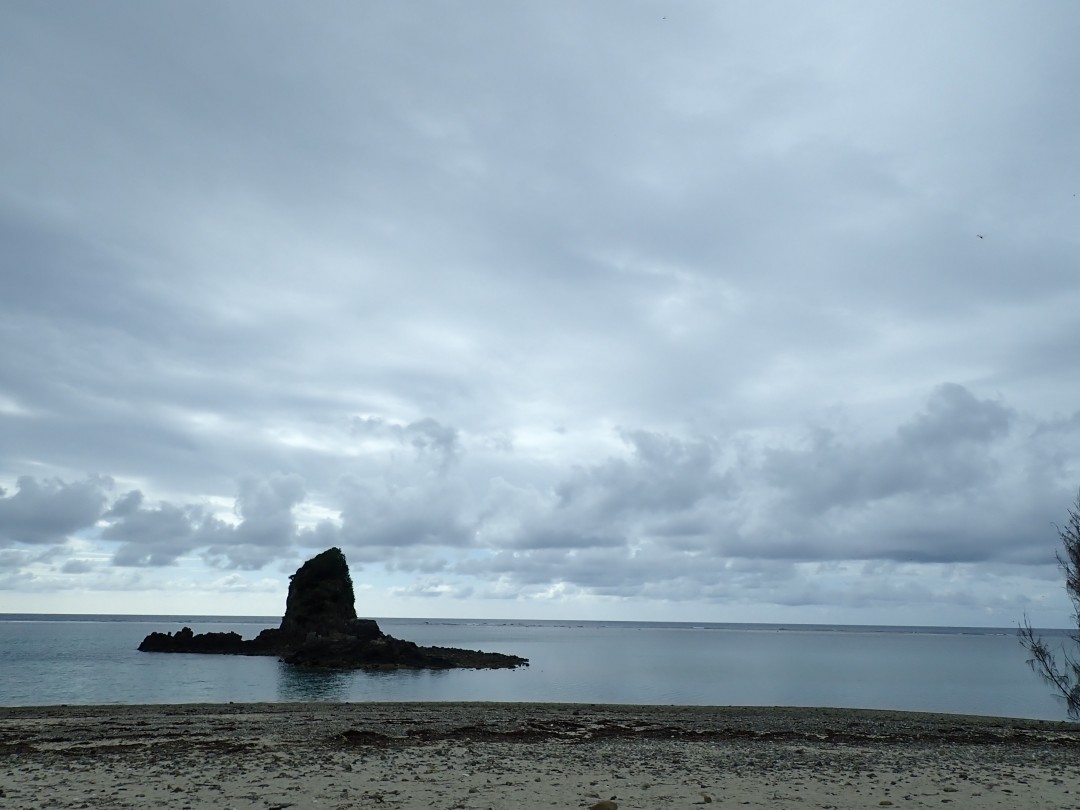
column 49, row 660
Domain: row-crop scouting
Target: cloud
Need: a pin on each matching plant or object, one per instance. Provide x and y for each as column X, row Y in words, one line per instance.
column 943, row 450
column 125, row 505
column 602, row 305
column 428, row 437
column 265, row 506
column 42, row 512
column 160, row 535
column 379, row 521
column 15, row 558
column 676, row 516
column 75, row 566
column 434, row 589
column 954, row 415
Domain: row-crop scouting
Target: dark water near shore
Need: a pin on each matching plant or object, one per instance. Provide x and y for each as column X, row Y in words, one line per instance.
column 49, row 660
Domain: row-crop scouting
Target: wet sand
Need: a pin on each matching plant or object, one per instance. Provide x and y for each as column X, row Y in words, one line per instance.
column 499, row 755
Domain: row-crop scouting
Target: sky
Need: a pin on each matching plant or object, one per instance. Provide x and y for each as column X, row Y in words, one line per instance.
column 699, row 311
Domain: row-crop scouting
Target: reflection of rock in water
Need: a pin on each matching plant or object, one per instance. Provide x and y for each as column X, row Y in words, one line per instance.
column 320, row 629
column 305, row 684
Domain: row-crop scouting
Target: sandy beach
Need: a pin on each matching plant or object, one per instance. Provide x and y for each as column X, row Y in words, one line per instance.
column 497, row 755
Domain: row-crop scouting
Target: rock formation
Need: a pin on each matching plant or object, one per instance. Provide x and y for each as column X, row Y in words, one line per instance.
column 321, row 598
column 320, row 629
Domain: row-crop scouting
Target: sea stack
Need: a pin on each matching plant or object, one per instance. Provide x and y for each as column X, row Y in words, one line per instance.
column 321, row 603
column 321, row 598
column 320, row 629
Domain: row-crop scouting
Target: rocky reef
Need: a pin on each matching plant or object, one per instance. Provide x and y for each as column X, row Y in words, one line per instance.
column 320, row 629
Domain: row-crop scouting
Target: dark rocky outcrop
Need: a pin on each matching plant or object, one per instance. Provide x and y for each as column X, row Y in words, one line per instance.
column 320, row 629
column 186, row 641
column 321, row 598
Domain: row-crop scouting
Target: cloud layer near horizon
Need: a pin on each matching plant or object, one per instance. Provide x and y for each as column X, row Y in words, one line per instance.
column 694, row 311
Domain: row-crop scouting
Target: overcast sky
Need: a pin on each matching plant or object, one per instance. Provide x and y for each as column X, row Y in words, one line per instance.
column 625, row 310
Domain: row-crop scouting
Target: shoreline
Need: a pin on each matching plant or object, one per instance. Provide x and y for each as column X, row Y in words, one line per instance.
column 488, row 755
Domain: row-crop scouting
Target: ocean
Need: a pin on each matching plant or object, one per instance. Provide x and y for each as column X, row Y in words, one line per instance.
column 52, row 660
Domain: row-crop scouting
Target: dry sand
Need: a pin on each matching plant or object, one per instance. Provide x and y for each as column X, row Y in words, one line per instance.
column 498, row 755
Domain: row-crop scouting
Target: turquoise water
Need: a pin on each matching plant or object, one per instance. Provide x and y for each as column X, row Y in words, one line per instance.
column 89, row 660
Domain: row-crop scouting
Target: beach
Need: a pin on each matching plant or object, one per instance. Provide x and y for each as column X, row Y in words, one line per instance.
column 517, row 755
